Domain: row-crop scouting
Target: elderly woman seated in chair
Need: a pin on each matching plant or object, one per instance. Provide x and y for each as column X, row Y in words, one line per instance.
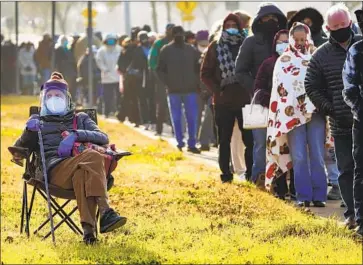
column 84, row 173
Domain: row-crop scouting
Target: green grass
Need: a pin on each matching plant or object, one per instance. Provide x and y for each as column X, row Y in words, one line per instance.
column 178, row 213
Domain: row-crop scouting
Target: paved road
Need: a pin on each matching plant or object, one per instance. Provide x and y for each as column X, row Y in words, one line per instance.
column 211, row 158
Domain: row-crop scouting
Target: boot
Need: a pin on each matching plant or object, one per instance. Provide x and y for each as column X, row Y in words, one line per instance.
column 260, row 182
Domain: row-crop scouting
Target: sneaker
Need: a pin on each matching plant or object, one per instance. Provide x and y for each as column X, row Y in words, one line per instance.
column 110, row 221
column 89, row 239
column 205, row 148
column 318, row 204
column 334, row 193
column 350, row 223
column 194, row 150
column 242, row 178
column 303, row 204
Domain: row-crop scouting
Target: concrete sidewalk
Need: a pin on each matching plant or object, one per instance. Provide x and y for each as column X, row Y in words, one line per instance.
column 211, row 158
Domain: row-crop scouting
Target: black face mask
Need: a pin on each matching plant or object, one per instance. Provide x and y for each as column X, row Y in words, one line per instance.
column 270, row 27
column 341, row 35
column 179, row 39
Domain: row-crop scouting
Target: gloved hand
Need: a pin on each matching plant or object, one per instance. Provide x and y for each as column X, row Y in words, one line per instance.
column 66, row 145
column 33, row 124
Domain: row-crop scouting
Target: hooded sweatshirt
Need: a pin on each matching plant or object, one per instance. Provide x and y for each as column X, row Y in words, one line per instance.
column 263, row 80
column 316, row 28
column 255, row 49
column 232, row 95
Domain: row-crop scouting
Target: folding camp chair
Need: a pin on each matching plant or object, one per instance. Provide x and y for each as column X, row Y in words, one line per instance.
column 33, row 168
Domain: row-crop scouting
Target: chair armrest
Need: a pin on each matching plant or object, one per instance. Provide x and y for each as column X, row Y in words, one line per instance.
column 120, row 154
column 23, row 152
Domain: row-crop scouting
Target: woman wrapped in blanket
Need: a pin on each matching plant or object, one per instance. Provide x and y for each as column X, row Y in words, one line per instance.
column 84, row 173
column 296, row 130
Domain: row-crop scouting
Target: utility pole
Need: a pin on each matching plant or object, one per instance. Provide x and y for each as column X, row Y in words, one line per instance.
column 17, row 85
column 90, row 54
column 53, row 34
column 127, row 17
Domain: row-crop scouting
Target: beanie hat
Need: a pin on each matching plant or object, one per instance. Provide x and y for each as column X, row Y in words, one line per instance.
column 134, row 32
column 56, row 81
column 202, row 37
column 234, row 18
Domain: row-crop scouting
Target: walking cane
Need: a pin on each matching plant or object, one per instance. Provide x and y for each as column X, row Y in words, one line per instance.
column 46, row 180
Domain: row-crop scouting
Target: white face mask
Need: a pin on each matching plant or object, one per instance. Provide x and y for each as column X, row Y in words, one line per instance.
column 280, row 47
column 56, row 105
column 201, row 48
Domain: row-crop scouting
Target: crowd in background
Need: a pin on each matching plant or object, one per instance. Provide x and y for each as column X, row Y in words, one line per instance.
column 199, row 82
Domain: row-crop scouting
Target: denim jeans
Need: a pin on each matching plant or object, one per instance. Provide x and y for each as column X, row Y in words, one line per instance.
column 259, row 153
column 331, row 166
column 343, row 152
column 190, row 103
column 206, row 135
column 358, row 170
column 306, row 144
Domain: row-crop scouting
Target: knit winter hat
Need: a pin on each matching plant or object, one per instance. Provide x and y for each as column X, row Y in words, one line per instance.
column 202, row 37
column 56, row 81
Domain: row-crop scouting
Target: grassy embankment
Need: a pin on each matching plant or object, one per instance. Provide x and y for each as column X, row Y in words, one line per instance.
column 178, row 213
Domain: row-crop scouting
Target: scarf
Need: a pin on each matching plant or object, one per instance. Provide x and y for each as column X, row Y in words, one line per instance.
column 225, row 57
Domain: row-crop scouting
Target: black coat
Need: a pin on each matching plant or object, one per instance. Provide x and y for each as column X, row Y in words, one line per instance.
column 255, row 49
column 324, row 85
column 178, row 68
column 53, row 126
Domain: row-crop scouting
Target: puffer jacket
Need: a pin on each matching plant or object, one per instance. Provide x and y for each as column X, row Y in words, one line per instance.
column 324, row 85
column 353, row 80
column 106, row 59
column 53, row 126
column 255, row 49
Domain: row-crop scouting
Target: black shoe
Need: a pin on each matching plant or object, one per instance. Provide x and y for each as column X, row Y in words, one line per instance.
column 89, row 239
column 334, row 193
column 303, row 204
column 318, row 204
column 194, row 150
column 350, row 223
column 342, row 204
column 329, row 184
column 180, row 148
column 110, row 221
column 205, row 148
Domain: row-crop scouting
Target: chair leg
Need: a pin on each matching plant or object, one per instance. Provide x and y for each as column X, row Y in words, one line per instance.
column 26, row 210
column 60, row 223
column 54, row 214
column 22, row 210
column 61, row 213
column 31, row 202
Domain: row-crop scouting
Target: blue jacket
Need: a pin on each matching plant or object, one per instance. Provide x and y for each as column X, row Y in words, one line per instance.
column 53, row 126
column 353, row 80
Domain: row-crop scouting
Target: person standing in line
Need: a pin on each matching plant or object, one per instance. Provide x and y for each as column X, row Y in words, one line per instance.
column 353, row 96
column 254, row 50
column 28, row 68
column 178, row 69
column 43, row 57
column 314, row 20
column 218, row 74
column 324, row 85
column 106, row 59
column 160, row 95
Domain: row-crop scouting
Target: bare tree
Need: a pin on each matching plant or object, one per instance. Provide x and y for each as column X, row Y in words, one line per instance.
column 168, row 11
column 206, row 8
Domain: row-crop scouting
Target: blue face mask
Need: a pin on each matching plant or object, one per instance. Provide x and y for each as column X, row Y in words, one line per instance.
column 245, row 31
column 111, row 42
column 65, row 44
column 232, row 31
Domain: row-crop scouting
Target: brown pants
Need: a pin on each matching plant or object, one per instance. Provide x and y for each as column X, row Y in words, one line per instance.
column 86, row 175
